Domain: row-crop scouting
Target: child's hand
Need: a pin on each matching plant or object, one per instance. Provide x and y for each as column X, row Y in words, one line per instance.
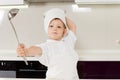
column 71, row 25
column 22, row 50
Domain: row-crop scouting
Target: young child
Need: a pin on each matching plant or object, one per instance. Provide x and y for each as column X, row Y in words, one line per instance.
column 57, row 53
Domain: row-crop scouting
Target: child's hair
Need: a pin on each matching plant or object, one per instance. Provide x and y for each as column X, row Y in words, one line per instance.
column 60, row 20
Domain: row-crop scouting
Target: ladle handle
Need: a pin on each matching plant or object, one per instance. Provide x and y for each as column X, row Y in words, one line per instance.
column 24, row 57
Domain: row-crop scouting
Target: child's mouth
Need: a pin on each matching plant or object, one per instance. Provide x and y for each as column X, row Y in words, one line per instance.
column 54, row 32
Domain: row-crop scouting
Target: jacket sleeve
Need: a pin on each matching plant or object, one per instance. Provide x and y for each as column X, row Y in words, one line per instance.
column 70, row 39
column 44, row 57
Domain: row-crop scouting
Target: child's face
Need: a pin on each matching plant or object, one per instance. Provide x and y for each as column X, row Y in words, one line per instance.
column 56, row 29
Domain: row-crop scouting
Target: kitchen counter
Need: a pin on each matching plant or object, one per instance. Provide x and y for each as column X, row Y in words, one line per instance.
column 82, row 57
column 12, row 55
column 16, row 58
column 86, row 55
column 43, row 79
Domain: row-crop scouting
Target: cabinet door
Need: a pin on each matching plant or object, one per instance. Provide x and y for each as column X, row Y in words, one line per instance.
column 8, row 74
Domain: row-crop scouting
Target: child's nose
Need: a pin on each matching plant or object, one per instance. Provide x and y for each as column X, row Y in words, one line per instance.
column 55, row 28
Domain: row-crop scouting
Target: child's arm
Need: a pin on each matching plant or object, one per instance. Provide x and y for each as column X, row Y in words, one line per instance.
column 71, row 25
column 31, row 51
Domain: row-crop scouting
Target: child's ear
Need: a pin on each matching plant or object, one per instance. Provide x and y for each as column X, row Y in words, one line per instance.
column 65, row 32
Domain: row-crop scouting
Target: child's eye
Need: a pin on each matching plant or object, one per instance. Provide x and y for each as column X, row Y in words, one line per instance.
column 51, row 26
column 59, row 26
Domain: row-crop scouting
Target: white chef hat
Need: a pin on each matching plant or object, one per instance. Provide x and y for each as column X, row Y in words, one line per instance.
column 54, row 13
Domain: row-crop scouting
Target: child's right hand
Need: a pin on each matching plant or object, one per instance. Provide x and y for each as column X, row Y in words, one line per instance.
column 22, row 50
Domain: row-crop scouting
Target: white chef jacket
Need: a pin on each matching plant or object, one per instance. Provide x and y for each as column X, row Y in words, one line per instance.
column 60, row 58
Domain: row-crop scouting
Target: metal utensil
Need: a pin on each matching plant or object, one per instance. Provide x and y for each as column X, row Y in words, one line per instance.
column 12, row 13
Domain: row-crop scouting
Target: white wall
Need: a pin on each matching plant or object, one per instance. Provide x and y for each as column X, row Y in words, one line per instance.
column 97, row 30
